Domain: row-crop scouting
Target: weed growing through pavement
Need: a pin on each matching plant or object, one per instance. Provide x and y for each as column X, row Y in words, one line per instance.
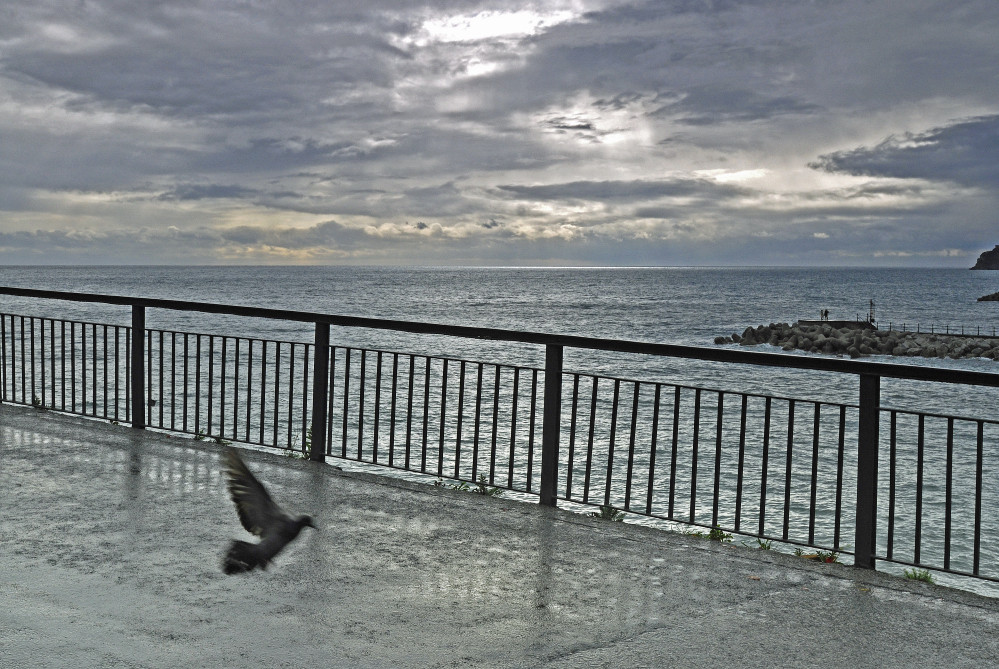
column 608, row 512
column 923, row 575
column 481, row 487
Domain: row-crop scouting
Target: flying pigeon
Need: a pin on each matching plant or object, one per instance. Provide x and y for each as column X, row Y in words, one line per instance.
column 260, row 515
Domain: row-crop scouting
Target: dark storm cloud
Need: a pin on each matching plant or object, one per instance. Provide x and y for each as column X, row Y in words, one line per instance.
column 966, row 153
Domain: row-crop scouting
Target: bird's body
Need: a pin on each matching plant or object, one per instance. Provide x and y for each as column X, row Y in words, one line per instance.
column 260, row 515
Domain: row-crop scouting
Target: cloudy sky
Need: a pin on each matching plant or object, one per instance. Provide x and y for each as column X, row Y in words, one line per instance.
column 563, row 132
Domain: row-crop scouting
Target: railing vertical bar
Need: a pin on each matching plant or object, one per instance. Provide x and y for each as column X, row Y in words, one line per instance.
column 289, row 438
column 409, row 410
column 187, row 370
column 787, row 468
column 173, row 380
column 514, row 406
column 72, row 364
column 458, row 423
column 675, row 448
column 589, row 443
column 62, row 361
column 275, row 425
column 631, row 447
column 83, row 364
column 377, row 408
column 117, row 367
column 816, row 423
column 551, row 429
column 93, row 368
column 235, row 389
column 24, row 371
column 320, row 391
column 263, row 390
column 917, row 536
column 840, row 458
column 765, row 465
column 948, row 504
column 867, row 471
column 615, row 402
column 34, row 381
column 249, row 389
column 532, row 417
column 495, row 432
column 346, row 403
column 531, row 431
column 222, row 379
column 197, row 385
column 443, row 420
column 392, row 409
column 426, row 416
column 138, row 375
column 741, row 467
column 159, row 370
column 330, row 401
column 979, row 453
column 718, row 458
column 211, row 388
column 694, row 443
column 308, row 352
column 892, row 450
column 362, row 382
column 571, row 457
column 653, row 445
column 478, row 421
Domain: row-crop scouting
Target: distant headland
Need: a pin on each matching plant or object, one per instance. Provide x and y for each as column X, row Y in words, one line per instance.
column 988, row 260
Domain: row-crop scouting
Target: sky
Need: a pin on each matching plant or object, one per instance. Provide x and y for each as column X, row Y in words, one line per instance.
column 559, row 132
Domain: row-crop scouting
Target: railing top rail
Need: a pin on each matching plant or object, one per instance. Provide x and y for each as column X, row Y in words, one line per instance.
column 837, row 365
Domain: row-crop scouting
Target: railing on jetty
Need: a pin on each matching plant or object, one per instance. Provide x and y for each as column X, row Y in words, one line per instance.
column 946, row 329
column 906, row 487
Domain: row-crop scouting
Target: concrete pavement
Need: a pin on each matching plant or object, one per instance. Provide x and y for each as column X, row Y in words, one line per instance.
column 111, row 540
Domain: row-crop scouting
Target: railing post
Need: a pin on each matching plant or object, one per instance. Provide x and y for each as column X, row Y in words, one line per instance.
column 320, row 391
column 138, row 359
column 867, row 471
column 552, row 426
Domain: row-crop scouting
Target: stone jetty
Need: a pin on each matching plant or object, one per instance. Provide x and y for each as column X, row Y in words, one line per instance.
column 992, row 297
column 859, row 339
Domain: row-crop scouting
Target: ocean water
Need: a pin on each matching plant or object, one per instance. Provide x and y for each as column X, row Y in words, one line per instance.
column 689, row 306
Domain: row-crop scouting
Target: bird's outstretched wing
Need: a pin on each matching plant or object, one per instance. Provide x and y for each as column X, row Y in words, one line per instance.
column 258, row 513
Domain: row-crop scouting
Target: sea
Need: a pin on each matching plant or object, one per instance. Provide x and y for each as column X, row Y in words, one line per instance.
column 675, row 305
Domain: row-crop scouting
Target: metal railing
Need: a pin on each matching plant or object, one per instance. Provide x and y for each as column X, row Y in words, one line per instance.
column 946, row 329
column 902, row 486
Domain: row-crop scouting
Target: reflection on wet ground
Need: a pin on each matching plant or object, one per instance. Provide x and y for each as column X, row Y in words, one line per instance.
column 111, row 539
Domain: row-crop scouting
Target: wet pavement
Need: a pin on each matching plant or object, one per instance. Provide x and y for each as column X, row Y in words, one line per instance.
column 111, row 541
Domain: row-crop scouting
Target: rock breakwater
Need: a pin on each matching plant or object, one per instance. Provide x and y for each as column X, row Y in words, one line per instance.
column 862, row 339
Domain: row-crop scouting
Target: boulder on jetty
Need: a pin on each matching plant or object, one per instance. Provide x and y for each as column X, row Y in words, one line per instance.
column 861, row 339
column 994, row 297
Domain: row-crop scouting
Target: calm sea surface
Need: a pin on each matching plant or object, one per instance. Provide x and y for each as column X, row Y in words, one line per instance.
column 672, row 305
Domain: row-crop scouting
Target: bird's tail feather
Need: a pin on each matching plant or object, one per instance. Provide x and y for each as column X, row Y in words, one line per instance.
column 242, row 557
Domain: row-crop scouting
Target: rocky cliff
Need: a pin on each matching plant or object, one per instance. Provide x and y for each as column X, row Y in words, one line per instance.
column 988, row 260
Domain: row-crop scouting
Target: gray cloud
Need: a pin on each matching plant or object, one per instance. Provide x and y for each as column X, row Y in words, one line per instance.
column 965, row 152
column 485, row 131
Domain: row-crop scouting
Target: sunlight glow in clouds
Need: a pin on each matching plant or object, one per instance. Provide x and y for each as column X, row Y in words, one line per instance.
column 490, row 132
column 489, row 25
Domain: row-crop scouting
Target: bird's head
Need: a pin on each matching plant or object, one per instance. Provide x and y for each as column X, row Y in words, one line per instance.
column 306, row 521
